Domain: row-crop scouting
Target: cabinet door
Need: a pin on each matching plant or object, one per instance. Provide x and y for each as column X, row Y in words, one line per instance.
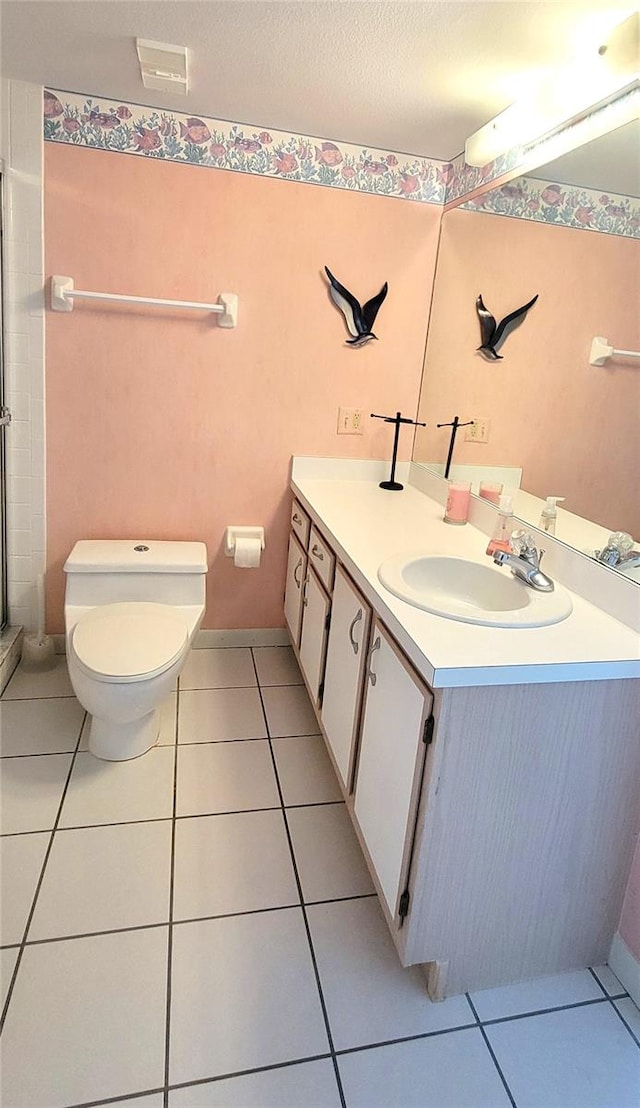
column 390, row 763
column 296, row 571
column 313, row 641
column 346, row 657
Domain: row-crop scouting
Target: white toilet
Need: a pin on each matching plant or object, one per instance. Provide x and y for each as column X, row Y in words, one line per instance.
column 131, row 612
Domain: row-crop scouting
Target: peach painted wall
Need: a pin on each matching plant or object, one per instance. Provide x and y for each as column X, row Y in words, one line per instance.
column 574, row 428
column 630, row 920
column 161, row 424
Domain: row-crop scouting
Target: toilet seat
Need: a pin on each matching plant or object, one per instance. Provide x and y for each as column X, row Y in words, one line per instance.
column 128, row 641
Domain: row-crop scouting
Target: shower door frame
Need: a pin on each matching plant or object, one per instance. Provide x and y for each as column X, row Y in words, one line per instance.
column 4, row 612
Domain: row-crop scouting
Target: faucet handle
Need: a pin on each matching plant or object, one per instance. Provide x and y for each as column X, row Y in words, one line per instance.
column 523, row 544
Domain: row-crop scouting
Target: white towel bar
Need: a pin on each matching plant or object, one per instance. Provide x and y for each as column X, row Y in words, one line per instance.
column 63, row 294
column 600, row 351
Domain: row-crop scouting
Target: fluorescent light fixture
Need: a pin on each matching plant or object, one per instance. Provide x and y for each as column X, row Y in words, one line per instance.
column 563, row 97
column 163, row 66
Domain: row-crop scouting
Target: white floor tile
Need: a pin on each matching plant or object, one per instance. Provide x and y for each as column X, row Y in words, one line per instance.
column 289, row 711
column 608, row 980
column 232, row 863
column 8, row 960
column 218, row 669
column 92, row 1013
column 369, row 996
column 225, row 777
column 328, row 856
column 630, row 1012
column 578, row 1058
column 447, row 1071
column 168, row 713
column 21, row 858
column 534, row 996
column 243, row 995
column 305, row 771
column 31, row 790
column 220, row 715
column 277, row 665
column 47, row 726
column 101, row 878
column 51, row 682
column 113, row 792
column 306, row 1085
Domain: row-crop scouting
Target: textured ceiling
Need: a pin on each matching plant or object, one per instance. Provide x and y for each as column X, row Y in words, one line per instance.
column 416, row 76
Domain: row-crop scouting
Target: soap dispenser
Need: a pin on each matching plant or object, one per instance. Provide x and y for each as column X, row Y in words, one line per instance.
column 501, row 538
column 549, row 514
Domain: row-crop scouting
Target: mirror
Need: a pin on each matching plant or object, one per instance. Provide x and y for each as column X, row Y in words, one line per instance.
column 571, row 428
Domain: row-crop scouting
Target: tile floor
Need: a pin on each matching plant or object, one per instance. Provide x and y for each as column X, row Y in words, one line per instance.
column 197, row 928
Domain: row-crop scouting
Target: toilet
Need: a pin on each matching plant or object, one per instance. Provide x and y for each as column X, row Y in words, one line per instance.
column 132, row 609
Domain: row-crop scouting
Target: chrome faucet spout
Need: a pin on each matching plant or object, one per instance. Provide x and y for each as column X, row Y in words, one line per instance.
column 525, row 565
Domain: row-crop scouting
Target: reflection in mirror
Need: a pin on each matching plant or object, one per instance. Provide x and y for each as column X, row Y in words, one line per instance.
column 561, row 426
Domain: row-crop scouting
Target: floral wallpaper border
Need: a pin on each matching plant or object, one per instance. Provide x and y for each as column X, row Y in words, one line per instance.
column 562, row 205
column 101, row 124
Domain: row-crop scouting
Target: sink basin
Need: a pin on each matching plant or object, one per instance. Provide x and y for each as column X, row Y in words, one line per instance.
column 471, row 591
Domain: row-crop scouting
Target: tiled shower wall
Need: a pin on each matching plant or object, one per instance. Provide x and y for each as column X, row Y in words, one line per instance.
column 23, row 274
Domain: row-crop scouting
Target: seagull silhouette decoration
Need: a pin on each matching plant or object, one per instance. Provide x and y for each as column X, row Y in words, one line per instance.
column 359, row 319
column 492, row 336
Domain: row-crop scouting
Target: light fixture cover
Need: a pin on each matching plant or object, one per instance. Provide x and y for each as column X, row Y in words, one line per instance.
column 561, row 97
column 163, row 66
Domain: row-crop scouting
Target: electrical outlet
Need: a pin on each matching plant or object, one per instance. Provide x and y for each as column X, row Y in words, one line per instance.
column 350, row 421
column 478, row 431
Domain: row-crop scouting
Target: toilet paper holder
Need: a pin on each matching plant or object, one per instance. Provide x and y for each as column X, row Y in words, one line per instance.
column 234, row 532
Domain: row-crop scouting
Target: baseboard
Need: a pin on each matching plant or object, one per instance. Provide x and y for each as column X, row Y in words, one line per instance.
column 249, row 636
column 626, row 967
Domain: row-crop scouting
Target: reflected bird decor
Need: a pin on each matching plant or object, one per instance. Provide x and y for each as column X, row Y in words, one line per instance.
column 493, row 336
column 359, row 319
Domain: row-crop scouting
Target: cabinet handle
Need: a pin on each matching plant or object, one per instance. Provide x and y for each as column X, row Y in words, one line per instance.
column 317, row 553
column 296, row 578
column 304, row 592
column 297, row 518
column 355, row 620
column 376, row 646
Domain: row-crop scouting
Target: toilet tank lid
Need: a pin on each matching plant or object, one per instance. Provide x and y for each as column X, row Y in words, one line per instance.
column 136, row 556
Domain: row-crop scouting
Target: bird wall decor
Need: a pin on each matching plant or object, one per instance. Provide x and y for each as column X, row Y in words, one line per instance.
column 493, row 336
column 359, row 319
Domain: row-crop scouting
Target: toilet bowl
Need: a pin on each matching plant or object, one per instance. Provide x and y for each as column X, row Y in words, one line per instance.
column 131, row 612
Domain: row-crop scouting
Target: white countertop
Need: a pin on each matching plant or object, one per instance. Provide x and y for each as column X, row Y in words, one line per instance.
column 365, row 524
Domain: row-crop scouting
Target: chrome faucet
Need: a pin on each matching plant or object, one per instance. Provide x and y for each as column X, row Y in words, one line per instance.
column 619, row 551
column 524, row 562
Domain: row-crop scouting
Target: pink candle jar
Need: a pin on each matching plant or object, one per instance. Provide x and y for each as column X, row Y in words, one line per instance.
column 457, row 509
column 490, row 490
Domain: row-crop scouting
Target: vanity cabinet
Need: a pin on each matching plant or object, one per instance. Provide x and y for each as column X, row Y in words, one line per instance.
column 296, row 574
column 307, row 600
column 397, row 724
column 498, row 821
column 343, row 683
column 316, row 607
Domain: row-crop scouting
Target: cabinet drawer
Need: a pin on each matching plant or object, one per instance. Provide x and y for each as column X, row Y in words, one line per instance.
column 300, row 523
column 322, row 558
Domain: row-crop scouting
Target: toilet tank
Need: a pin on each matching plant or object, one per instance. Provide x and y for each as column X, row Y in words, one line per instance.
column 105, row 571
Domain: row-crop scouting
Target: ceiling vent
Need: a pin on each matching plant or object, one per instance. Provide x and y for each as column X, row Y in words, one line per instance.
column 163, row 66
